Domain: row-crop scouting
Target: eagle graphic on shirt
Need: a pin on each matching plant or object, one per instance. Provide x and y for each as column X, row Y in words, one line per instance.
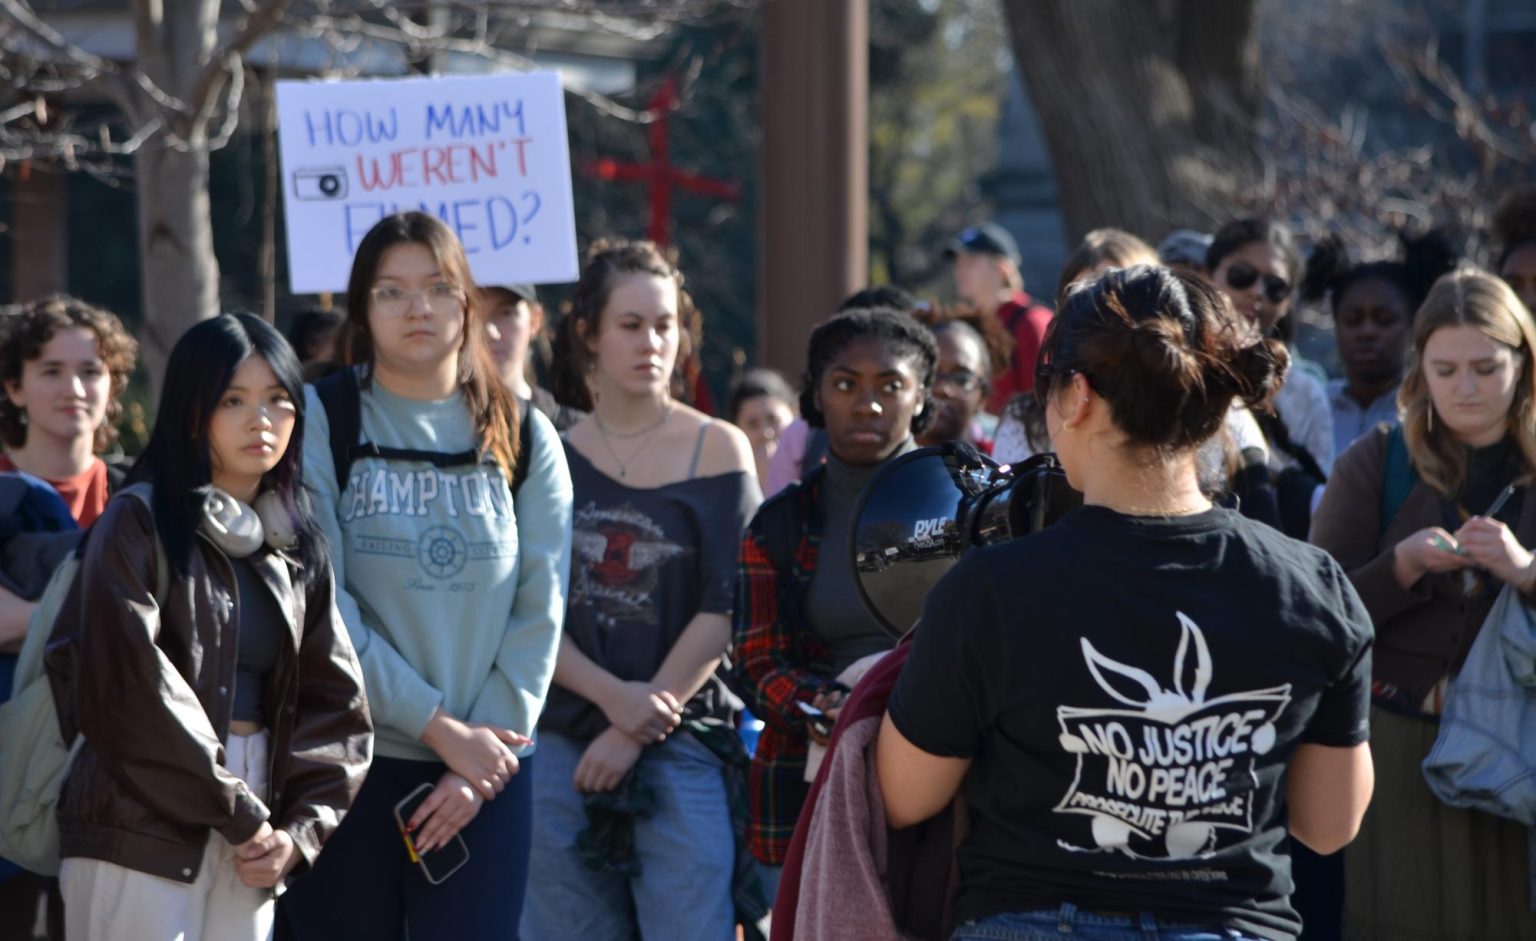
column 1168, row 773
column 618, row 554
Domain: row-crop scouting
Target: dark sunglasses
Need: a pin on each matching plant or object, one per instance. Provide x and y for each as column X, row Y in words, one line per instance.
column 1047, row 374
column 1240, row 277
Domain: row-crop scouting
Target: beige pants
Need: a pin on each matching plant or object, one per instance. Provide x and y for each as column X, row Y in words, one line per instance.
column 106, row 902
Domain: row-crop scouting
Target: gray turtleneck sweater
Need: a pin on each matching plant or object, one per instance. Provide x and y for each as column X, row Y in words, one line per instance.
column 834, row 612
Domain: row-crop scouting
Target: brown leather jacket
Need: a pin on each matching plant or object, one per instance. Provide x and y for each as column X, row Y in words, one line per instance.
column 149, row 686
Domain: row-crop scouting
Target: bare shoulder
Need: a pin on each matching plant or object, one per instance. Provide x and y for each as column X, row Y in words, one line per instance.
column 723, row 448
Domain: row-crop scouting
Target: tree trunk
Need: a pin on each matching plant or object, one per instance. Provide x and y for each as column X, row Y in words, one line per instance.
column 1150, row 109
column 176, row 40
column 180, row 273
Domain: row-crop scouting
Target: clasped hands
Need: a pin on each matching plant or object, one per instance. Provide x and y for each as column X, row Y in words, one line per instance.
column 640, row 714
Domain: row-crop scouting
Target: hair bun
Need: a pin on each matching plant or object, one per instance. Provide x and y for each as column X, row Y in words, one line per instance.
column 1160, row 348
column 1327, row 262
column 1514, row 222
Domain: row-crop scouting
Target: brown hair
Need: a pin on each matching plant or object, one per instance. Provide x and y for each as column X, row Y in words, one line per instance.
column 1114, row 247
column 23, row 335
column 1473, row 298
column 494, row 410
column 607, row 261
column 1164, row 349
column 994, row 336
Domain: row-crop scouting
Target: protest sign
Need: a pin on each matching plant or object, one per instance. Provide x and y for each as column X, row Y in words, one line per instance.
column 487, row 154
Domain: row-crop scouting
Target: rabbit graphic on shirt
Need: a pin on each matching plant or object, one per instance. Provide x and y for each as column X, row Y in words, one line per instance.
column 1168, row 770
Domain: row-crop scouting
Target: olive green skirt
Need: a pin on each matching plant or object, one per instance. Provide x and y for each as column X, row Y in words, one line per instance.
column 1422, row 871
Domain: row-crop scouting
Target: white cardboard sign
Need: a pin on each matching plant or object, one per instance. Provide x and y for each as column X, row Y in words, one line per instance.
column 487, row 154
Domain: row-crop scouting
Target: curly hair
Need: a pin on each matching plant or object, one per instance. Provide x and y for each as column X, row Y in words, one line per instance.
column 994, row 336
column 24, row 333
column 905, row 336
column 607, row 260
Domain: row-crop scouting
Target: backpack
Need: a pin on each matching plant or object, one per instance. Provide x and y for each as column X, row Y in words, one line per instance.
column 34, row 758
column 341, row 397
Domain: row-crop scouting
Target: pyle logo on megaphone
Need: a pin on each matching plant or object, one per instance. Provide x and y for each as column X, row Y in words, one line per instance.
column 929, row 529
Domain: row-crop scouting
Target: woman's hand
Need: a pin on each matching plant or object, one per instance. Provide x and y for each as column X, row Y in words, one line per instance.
column 642, row 711
column 1492, row 546
column 606, row 761
column 477, row 753
column 1428, row 550
column 262, row 861
column 830, row 702
column 447, row 810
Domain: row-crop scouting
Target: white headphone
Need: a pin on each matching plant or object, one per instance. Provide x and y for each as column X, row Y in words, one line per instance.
column 240, row 530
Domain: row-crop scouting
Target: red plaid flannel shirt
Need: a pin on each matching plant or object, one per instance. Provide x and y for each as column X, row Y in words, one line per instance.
column 778, row 663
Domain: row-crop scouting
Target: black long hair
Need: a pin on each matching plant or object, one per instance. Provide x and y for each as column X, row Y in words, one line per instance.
column 177, row 461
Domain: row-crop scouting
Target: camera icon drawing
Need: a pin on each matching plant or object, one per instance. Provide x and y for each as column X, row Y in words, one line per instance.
column 320, row 183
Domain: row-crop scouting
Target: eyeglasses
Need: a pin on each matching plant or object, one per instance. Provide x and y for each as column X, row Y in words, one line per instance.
column 961, row 379
column 440, row 298
column 1240, row 277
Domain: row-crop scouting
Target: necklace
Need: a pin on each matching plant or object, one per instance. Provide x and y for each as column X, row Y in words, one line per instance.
column 646, row 433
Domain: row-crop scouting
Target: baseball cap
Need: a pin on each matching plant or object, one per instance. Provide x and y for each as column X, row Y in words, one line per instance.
column 523, row 292
column 989, row 238
column 1184, row 247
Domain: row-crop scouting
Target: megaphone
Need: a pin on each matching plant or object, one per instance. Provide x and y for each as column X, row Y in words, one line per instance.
column 925, row 509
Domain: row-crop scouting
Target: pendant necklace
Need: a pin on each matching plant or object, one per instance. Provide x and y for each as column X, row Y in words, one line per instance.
column 646, row 433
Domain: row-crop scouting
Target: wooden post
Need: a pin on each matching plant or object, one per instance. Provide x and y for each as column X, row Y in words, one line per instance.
column 39, row 232
column 814, row 243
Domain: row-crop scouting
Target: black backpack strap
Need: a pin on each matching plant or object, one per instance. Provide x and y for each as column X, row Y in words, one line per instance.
column 782, row 522
column 524, row 445
column 342, row 399
column 343, row 404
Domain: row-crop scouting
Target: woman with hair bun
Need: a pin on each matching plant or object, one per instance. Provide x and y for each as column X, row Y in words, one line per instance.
column 1372, row 306
column 1141, row 699
column 1431, row 521
column 1514, row 236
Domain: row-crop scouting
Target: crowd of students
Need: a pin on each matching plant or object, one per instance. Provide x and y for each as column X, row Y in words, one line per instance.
column 425, row 596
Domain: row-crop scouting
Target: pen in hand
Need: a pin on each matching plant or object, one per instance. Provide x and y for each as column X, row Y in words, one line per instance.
column 1503, row 498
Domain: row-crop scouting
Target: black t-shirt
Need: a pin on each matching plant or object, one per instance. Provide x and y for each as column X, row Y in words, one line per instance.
column 1129, row 690
column 644, row 561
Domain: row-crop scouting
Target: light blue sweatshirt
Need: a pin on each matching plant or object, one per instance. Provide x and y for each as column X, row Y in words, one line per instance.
column 453, row 596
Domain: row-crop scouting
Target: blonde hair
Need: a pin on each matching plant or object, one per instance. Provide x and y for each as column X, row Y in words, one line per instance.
column 1468, row 297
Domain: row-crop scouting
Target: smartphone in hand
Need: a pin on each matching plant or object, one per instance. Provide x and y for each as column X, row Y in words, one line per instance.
column 442, row 862
column 817, row 719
